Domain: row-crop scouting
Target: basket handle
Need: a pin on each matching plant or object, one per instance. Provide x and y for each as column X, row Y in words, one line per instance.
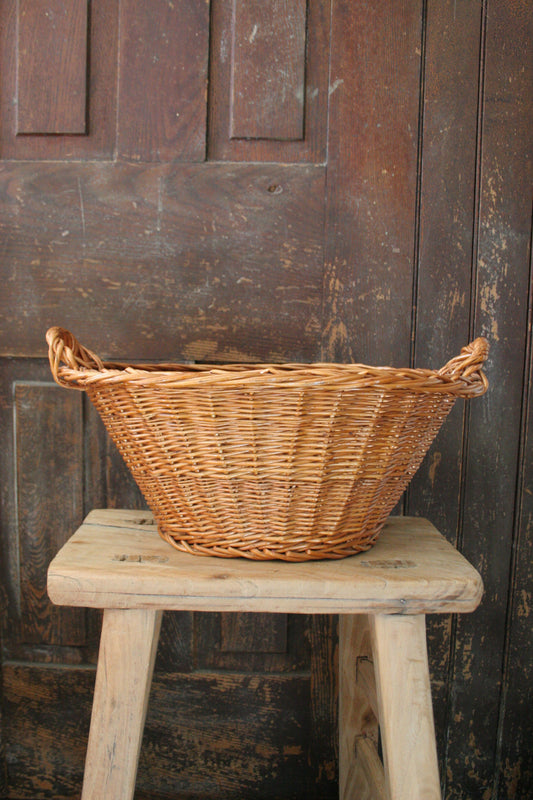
column 467, row 368
column 67, row 355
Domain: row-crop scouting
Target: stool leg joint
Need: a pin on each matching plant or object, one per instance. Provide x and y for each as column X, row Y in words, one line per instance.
column 384, row 677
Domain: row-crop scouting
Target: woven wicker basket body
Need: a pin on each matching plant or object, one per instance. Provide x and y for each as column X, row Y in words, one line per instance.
column 292, row 462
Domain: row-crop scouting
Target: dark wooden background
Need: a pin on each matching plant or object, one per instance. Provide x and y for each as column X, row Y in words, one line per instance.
column 264, row 179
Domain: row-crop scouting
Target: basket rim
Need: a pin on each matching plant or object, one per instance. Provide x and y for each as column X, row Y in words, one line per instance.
column 75, row 366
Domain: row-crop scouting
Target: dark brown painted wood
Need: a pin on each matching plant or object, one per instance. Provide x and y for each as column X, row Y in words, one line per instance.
column 207, row 735
column 277, row 23
column 51, row 67
column 47, row 724
column 443, row 292
column 121, row 489
column 97, row 72
column 234, row 245
column 444, row 272
column 273, row 644
column 3, row 775
column 249, row 633
column 175, row 652
column 267, row 77
column 224, row 735
column 11, row 372
column 163, row 80
column 324, row 745
column 372, row 158
column 95, row 444
column 49, row 504
column 513, row 776
column 55, row 635
column 493, row 445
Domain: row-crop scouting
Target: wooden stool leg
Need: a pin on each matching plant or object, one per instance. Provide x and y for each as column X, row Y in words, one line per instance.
column 405, row 708
column 361, row 772
column 123, row 677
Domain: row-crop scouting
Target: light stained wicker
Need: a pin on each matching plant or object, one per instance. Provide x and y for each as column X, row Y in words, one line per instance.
column 294, row 462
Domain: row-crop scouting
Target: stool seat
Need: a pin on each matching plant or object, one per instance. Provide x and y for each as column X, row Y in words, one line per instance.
column 118, row 562
column 117, row 559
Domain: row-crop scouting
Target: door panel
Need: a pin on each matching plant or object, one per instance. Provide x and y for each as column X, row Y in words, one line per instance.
column 267, row 75
column 213, row 250
column 49, row 503
column 163, row 51
column 113, row 224
column 268, row 83
column 51, row 67
column 62, row 78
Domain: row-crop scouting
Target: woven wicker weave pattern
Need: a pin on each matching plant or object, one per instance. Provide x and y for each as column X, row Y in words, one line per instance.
column 292, row 462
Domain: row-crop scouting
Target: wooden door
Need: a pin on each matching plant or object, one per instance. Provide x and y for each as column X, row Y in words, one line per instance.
column 260, row 180
column 162, row 190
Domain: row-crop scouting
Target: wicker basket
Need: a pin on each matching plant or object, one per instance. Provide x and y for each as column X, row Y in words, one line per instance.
column 294, row 461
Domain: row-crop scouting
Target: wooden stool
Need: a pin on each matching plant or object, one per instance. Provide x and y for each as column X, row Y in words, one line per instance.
column 118, row 562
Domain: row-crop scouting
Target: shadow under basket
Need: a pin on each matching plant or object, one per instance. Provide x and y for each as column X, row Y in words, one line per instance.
column 290, row 461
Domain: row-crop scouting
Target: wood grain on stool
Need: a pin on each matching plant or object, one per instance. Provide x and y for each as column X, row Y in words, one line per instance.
column 117, row 560
column 125, row 665
column 405, row 709
column 359, row 765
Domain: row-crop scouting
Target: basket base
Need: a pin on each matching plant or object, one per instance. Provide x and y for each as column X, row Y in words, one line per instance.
column 320, row 552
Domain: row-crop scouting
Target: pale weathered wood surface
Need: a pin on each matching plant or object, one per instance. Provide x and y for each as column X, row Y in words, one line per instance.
column 358, row 722
column 370, row 769
column 116, row 559
column 405, row 707
column 125, row 666
column 367, row 681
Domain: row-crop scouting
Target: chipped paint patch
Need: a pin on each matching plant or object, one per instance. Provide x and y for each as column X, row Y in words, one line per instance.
column 335, row 85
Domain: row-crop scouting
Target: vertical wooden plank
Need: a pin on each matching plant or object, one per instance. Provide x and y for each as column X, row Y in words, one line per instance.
column 256, row 633
column 9, row 545
column 52, row 66
column 176, row 643
column 12, row 371
column 95, row 446
column 268, row 69
column 3, row 770
column 372, row 159
column 448, row 173
column 163, row 80
column 49, row 503
column 442, row 322
column 324, row 742
column 500, row 313
column 514, row 760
